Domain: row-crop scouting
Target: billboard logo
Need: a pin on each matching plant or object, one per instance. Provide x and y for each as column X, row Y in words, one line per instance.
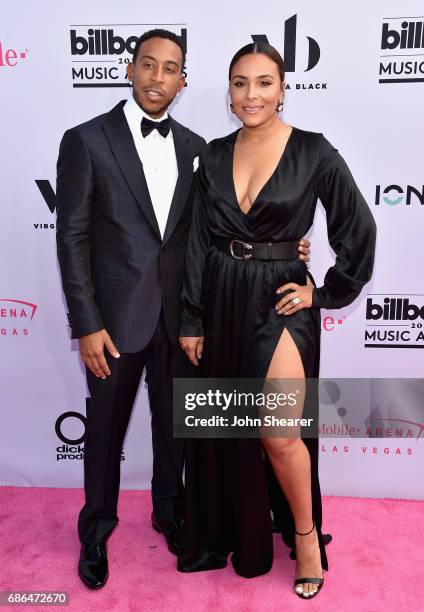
column 101, row 42
column 402, row 34
column 101, row 53
column 394, row 321
column 410, row 35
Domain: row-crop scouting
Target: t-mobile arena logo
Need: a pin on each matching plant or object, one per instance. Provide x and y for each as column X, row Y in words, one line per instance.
column 9, row 58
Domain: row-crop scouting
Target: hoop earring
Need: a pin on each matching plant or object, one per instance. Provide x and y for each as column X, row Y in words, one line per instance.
column 279, row 106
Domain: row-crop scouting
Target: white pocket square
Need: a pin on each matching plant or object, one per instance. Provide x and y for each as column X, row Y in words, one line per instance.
column 195, row 163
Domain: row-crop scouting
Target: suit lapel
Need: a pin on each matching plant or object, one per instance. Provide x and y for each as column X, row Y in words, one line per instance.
column 122, row 143
column 184, row 154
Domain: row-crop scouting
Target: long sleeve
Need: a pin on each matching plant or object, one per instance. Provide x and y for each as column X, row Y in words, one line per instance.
column 351, row 231
column 197, row 249
column 74, row 202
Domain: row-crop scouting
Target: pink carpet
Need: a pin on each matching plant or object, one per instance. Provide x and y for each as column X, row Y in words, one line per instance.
column 376, row 559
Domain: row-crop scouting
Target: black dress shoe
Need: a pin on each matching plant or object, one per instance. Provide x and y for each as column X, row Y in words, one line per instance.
column 172, row 532
column 93, row 565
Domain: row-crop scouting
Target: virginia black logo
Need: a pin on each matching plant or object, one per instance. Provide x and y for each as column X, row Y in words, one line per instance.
column 289, row 54
column 404, row 35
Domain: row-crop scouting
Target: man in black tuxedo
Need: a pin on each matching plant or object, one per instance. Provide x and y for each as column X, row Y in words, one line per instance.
column 125, row 186
column 124, row 194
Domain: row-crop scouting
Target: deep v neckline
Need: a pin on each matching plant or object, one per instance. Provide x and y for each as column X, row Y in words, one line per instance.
column 282, row 157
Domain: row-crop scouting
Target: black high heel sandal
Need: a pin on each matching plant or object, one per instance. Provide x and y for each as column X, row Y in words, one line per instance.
column 318, row 581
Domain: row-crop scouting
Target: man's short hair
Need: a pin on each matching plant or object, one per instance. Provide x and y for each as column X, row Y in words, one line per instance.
column 159, row 33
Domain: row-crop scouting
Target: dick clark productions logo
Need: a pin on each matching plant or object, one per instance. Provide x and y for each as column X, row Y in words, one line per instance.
column 68, row 429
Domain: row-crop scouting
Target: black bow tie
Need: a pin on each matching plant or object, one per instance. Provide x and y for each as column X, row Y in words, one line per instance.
column 162, row 127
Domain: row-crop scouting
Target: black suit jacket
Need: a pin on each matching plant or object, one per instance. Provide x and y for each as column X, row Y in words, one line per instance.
column 116, row 269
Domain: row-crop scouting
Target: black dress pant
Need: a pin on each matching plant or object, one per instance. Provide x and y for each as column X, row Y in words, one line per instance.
column 108, row 414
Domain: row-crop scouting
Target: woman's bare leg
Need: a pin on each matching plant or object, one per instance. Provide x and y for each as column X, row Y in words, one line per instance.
column 291, row 463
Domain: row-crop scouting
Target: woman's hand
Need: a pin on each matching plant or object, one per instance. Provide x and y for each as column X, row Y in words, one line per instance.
column 304, row 248
column 298, row 292
column 193, row 347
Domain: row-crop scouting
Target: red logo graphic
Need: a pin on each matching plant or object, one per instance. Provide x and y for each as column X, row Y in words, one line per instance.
column 14, row 317
column 10, row 57
column 371, row 451
column 380, row 431
column 330, row 323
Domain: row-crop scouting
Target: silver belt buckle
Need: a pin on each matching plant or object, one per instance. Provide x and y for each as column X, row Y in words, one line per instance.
column 246, row 245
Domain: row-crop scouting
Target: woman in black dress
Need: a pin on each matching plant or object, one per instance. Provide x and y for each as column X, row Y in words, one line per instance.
column 253, row 310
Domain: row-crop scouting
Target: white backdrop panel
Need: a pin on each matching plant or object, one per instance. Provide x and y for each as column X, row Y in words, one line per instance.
column 377, row 128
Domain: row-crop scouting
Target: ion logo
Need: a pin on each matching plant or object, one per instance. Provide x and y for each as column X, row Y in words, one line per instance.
column 402, row 34
column 394, row 195
column 103, row 52
column 10, row 57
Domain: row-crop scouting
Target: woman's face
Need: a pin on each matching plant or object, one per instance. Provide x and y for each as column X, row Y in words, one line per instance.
column 255, row 89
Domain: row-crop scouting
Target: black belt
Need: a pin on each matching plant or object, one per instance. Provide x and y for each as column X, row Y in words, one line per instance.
column 240, row 249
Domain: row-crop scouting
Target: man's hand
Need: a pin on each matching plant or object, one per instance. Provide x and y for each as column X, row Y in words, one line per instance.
column 193, row 347
column 304, row 250
column 92, row 352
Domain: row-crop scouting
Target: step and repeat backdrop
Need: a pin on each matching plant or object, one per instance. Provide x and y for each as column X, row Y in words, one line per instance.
column 354, row 72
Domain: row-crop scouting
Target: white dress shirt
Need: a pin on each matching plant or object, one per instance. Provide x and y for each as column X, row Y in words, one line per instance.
column 157, row 154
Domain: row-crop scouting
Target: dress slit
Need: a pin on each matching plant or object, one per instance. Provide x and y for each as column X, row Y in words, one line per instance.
column 279, row 502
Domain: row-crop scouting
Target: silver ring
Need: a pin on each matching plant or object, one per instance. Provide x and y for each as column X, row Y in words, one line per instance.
column 296, row 301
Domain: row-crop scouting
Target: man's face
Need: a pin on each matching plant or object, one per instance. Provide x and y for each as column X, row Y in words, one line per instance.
column 156, row 75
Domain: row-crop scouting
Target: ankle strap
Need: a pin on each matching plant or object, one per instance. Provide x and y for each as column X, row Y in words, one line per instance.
column 308, row 532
